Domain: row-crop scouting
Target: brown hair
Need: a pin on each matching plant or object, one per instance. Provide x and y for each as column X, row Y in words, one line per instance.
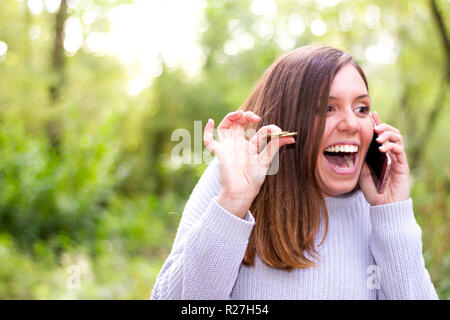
column 293, row 94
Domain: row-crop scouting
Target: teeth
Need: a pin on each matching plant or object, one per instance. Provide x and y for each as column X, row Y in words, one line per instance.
column 342, row 148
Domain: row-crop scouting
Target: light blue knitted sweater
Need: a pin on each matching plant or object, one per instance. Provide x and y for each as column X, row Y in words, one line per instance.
column 370, row 252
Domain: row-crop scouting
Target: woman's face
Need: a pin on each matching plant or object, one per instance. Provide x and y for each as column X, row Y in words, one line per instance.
column 347, row 135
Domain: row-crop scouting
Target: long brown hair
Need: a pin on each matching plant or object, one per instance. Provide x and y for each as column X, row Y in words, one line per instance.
column 293, row 94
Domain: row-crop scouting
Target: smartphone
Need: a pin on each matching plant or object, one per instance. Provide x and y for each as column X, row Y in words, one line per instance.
column 378, row 162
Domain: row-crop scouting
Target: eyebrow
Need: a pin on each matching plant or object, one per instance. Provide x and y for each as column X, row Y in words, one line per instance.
column 358, row 97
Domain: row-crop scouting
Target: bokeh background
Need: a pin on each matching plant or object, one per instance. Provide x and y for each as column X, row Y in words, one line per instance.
column 91, row 91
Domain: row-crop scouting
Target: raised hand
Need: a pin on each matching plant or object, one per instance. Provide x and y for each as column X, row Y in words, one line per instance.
column 243, row 164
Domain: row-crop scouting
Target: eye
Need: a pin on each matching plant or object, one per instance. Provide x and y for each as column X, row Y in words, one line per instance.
column 364, row 110
column 330, row 109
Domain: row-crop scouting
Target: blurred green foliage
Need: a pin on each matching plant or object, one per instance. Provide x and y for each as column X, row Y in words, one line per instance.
column 86, row 177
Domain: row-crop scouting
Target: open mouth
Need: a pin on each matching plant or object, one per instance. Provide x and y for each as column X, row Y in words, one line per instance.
column 342, row 159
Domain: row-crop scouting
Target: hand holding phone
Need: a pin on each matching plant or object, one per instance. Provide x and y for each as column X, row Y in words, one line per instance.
column 378, row 162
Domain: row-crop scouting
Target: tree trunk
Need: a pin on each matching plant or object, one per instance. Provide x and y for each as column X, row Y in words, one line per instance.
column 58, row 51
column 440, row 100
column 57, row 59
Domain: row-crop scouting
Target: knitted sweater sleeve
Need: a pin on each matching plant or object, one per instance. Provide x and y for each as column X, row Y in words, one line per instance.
column 208, row 249
column 396, row 246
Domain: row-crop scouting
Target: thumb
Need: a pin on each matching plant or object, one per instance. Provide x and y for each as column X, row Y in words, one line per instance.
column 366, row 182
column 268, row 153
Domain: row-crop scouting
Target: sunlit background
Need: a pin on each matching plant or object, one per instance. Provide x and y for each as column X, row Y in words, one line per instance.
column 90, row 92
column 144, row 34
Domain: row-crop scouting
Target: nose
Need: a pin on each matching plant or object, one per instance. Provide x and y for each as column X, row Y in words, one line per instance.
column 348, row 123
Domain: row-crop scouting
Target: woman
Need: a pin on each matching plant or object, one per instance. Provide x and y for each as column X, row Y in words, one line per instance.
column 317, row 228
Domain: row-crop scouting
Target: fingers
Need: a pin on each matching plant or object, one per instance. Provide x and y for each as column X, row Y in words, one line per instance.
column 381, row 127
column 392, row 141
column 251, row 117
column 229, row 119
column 266, row 156
column 396, row 149
column 208, row 137
column 385, row 127
column 259, row 140
column 239, row 117
column 376, row 118
column 236, row 117
column 391, row 136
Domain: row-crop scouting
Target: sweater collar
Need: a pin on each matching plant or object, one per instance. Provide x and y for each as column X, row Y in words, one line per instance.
column 343, row 200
